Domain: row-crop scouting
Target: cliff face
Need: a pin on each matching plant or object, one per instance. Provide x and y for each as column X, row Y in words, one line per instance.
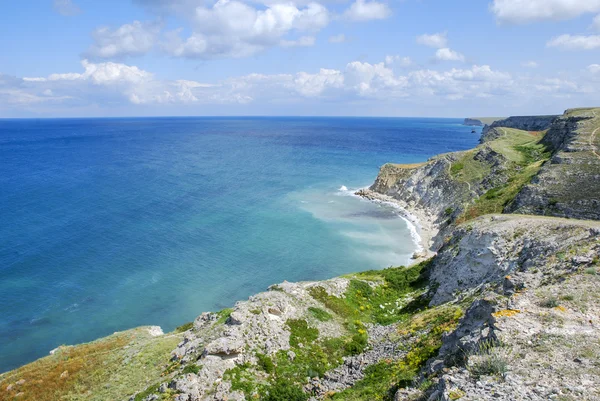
column 507, row 308
column 473, row 122
column 569, row 185
column 523, row 123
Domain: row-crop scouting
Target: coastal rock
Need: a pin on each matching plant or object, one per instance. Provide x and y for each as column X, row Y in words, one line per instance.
column 485, row 251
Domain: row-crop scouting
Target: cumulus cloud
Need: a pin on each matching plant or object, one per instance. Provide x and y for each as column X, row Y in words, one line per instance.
column 66, row 8
column 524, row 11
column 128, row 40
column 575, row 42
column 231, row 28
column 436, row 40
column 359, row 82
column 365, row 10
column 341, row 38
column 446, row 54
column 315, row 84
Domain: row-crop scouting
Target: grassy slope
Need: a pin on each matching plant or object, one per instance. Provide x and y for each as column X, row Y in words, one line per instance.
column 525, row 154
column 111, row 368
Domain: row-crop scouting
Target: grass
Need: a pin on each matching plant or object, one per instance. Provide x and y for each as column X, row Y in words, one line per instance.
column 525, row 154
column 184, row 327
column 467, row 169
column 224, row 315
column 301, row 332
column 320, row 314
column 127, row 361
column 488, row 360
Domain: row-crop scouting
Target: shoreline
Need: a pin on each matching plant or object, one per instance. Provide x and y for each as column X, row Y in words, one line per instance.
column 421, row 219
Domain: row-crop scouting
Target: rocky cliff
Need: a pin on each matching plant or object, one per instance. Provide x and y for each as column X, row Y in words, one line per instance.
column 506, row 308
column 473, row 122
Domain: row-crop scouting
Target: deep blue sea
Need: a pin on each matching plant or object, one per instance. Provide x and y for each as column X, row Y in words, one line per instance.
column 108, row 224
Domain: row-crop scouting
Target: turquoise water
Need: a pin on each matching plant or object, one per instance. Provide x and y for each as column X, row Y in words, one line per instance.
column 109, row 224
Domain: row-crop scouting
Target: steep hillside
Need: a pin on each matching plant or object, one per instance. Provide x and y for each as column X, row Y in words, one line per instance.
column 569, row 185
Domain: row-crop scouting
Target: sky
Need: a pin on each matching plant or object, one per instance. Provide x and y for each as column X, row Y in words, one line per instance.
column 420, row 58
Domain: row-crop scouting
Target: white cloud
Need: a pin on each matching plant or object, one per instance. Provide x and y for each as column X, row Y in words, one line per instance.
column 66, row 8
column 575, row 42
column 446, row 54
column 231, row 28
column 128, row 40
column 314, row 84
column 365, row 10
column 304, row 41
column 594, row 68
column 436, row 40
column 524, row 11
column 341, row 38
column 530, row 64
column 399, row 61
column 369, row 84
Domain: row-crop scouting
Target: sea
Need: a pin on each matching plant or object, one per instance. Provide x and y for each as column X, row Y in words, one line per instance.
column 108, row 224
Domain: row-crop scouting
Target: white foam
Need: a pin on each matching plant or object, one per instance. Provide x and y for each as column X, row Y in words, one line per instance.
column 343, row 188
column 411, row 221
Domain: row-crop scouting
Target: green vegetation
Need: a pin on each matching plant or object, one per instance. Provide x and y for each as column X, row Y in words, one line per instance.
column 526, row 155
column 128, row 360
column 283, row 390
column 383, row 379
column 320, row 314
column 224, row 315
column 184, row 327
column 468, row 169
column 265, row 363
column 191, row 368
column 301, row 333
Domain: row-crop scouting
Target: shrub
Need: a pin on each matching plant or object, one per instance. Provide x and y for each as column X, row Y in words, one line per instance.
column 550, row 302
column 357, row 345
column 301, row 332
column 193, row 368
column 283, row 390
column 265, row 363
column 591, row 270
column 488, row 359
column 184, row 327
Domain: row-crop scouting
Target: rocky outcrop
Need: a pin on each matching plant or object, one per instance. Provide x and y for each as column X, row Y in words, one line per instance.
column 568, row 186
column 473, row 122
column 483, row 252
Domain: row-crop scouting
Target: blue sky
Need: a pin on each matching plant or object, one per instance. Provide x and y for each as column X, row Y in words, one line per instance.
column 77, row 58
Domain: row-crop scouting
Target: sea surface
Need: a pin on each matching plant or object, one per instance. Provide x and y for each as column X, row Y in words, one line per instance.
column 108, row 224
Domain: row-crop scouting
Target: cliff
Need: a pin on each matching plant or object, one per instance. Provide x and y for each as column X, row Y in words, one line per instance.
column 506, row 308
column 473, row 122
